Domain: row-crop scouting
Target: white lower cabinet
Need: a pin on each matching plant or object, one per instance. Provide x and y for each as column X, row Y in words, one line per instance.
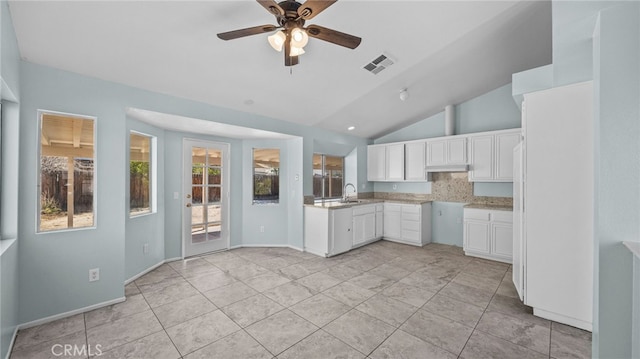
column 407, row 223
column 488, row 234
column 327, row 232
column 364, row 224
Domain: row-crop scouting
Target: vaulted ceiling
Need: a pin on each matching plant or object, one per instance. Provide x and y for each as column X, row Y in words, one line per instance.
column 445, row 52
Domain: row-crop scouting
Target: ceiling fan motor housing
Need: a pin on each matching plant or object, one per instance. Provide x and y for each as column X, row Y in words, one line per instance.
column 291, row 18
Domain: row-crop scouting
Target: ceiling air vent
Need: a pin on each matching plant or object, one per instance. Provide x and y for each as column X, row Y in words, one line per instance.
column 379, row 63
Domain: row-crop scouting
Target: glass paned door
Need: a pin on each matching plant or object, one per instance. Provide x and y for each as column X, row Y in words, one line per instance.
column 206, row 207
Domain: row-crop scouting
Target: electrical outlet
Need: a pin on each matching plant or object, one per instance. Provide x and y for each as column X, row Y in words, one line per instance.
column 145, row 248
column 94, row 274
column 395, row 186
column 261, row 229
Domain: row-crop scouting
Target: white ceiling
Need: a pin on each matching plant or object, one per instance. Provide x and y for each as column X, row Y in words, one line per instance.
column 446, row 52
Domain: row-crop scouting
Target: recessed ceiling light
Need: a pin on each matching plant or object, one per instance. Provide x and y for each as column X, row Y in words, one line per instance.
column 351, row 128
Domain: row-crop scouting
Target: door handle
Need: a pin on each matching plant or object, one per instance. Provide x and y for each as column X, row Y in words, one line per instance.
column 188, row 204
column 189, row 196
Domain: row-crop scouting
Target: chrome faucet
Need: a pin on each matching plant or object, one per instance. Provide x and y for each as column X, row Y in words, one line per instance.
column 344, row 191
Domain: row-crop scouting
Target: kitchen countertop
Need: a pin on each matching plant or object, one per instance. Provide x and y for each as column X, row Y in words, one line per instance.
column 360, row 202
column 496, row 207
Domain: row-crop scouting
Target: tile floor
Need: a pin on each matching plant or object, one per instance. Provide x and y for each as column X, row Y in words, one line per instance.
column 384, row 300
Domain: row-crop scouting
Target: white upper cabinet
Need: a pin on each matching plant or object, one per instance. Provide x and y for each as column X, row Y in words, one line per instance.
column 395, row 162
column 505, row 143
column 491, row 156
column 385, row 162
column 414, row 157
column 481, row 158
column 447, row 151
column 376, row 157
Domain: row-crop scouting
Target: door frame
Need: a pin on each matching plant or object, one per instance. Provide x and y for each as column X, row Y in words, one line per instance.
column 224, row 194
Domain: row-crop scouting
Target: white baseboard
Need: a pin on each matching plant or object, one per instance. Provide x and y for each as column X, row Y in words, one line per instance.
column 267, row 246
column 151, row 268
column 69, row 313
column 563, row 319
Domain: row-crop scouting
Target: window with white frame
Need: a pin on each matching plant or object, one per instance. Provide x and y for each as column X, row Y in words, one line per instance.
column 328, row 176
column 67, row 172
column 141, row 173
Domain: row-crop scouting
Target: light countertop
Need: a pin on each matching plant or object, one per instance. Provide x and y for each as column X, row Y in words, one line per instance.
column 496, row 207
column 338, row 204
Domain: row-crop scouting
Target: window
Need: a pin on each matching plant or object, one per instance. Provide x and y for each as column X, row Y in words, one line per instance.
column 266, row 175
column 328, row 172
column 141, row 174
column 67, row 172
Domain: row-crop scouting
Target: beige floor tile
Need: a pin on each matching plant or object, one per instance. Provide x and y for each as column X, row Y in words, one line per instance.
column 320, row 309
column 229, row 294
column 359, row 330
column 461, row 312
column 266, row 281
column 342, row 272
column 409, row 294
column 321, row 345
column 467, row 294
column 289, row 294
column 387, row 309
column 478, row 282
column 156, row 345
column 247, row 271
column 134, row 304
column 131, row 289
column 349, row 293
column 201, row 331
column 517, row 331
column 485, row 346
column 569, row 342
column 183, row 310
column 280, row 331
column 250, row 310
column 438, row 330
column 211, row 280
column 401, row 345
column 318, row 281
column 372, row 282
column 514, row 307
column 123, row 330
column 390, row 271
column 55, row 348
column 237, row 345
column 46, row 332
column 169, row 294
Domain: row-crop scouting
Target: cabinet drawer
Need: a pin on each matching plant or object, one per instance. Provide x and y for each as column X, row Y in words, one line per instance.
column 360, row 210
column 410, row 225
column 502, row 216
column 391, row 207
column 477, row 214
column 379, row 207
column 414, row 217
column 411, row 236
column 410, row 209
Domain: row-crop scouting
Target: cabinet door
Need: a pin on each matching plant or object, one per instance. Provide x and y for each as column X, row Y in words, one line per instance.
column 369, row 226
column 481, row 152
column 341, row 233
column 392, row 221
column 436, row 153
column 502, row 240
column 414, row 161
column 476, row 236
column 395, row 162
column 379, row 224
column 359, row 229
column 457, row 151
column 376, row 163
column 505, row 143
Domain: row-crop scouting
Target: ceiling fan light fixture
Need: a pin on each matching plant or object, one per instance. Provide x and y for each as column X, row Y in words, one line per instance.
column 296, row 51
column 277, row 40
column 404, row 95
column 299, row 38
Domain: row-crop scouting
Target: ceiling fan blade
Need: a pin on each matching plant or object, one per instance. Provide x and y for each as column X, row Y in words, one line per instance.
column 311, row 8
column 288, row 59
column 230, row 35
column 272, row 7
column 333, row 36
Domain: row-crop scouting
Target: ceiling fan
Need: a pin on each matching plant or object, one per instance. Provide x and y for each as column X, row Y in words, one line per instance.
column 291, row 33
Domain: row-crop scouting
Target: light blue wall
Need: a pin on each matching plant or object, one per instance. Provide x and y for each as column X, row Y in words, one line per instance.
column 67, row 256
column 617, row 179
column 9, row 131
column 149, row 228
column 295, row 195
column 492, row 111
column 446, row 223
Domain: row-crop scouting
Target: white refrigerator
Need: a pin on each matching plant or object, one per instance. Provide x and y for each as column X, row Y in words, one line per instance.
column 553, row 205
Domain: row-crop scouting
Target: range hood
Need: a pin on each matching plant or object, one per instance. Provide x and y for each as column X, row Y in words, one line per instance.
column 449, row 130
